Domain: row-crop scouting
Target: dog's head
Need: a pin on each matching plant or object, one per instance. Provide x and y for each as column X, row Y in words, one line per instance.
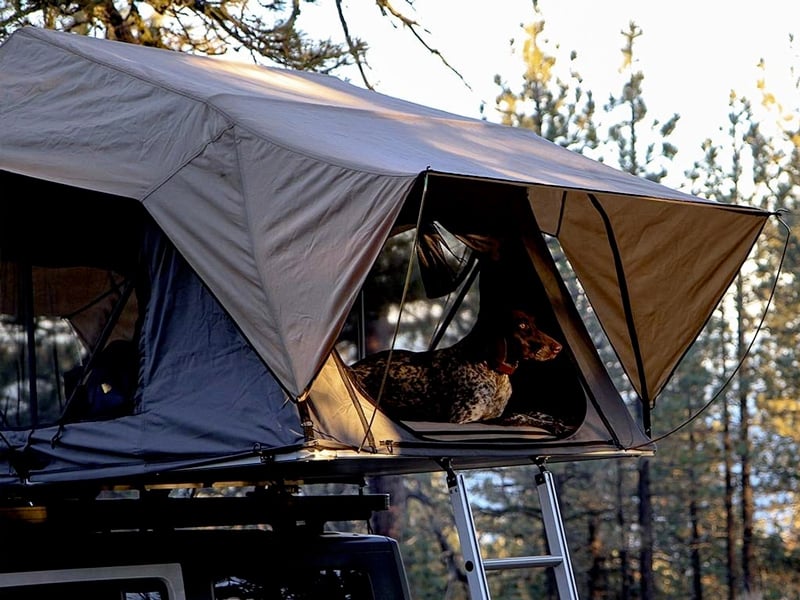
column 518, row 339
column 526, row 341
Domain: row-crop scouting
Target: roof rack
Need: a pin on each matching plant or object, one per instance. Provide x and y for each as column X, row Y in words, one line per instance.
column 158, row 510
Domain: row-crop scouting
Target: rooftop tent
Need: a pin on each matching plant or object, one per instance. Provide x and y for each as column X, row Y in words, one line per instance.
column 224, row 217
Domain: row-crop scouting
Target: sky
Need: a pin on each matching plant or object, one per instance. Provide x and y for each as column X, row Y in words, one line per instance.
column 692, row 53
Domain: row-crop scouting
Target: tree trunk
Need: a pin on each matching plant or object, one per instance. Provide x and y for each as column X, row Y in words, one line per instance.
column 730, row 521
column 696, row 562
column 624, row 567
column 727, row 461
column 748, row 552
column 598, row 574
column 389, row 522
column 646, row 525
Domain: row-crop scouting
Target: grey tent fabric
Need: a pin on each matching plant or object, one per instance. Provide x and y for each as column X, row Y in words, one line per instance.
column 203, row 391
column 278, row 189
column 225, row 143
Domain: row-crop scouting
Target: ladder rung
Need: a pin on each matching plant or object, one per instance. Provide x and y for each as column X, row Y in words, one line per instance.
column 521, row 562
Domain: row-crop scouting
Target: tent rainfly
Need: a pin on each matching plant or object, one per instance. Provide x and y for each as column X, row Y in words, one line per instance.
column 220, row 221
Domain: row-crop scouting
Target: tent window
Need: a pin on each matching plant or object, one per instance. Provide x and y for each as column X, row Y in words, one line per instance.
column 430, row 300
column 46, row 332
column 61, row 280
column 32, row 394
column 459, row 283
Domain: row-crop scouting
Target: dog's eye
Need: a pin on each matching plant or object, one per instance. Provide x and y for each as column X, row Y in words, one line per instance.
column 523, row 326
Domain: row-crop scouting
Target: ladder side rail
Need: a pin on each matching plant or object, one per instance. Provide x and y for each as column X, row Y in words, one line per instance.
column 556, row 537
column 470, row 549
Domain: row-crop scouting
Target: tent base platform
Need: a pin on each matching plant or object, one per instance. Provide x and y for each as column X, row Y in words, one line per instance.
column 300, row 467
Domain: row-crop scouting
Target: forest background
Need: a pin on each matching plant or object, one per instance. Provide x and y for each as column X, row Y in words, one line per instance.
column 715, row 513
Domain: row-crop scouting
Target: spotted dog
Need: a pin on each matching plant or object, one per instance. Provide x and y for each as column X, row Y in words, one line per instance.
column 464, row 383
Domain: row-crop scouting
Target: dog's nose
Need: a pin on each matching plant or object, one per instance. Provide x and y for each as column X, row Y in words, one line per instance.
column 549, row 350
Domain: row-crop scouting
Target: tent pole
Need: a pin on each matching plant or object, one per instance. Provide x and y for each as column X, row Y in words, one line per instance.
column 465, row 287
column 29, row 322
column 105, row 333
column 626, row 306
column 361, row 328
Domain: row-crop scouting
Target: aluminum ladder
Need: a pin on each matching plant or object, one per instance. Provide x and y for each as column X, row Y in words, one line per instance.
column 476, row 567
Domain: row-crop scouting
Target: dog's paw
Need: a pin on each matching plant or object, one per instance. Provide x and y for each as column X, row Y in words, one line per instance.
column 549, row 423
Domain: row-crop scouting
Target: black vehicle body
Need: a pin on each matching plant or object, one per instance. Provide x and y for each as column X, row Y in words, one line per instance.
column 158, row 548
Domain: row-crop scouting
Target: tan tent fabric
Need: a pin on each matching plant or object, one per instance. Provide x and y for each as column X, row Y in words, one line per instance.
column 677, row 260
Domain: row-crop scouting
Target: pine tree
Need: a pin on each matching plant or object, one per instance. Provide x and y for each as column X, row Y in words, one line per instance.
column 638, row 156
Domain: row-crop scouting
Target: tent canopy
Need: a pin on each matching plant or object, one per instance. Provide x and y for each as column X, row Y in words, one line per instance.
column 279, row 189
column 214, row 151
